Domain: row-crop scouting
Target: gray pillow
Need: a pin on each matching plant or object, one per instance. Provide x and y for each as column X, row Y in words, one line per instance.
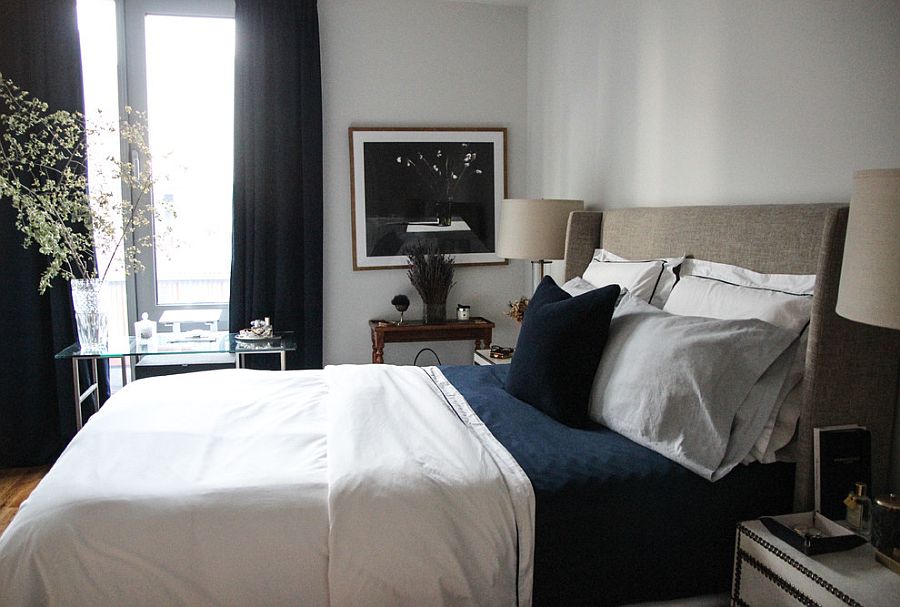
column 675, row 384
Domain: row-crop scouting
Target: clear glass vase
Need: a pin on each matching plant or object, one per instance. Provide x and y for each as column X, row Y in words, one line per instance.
column 435, row 313
column 444, row 212
column 90, row 317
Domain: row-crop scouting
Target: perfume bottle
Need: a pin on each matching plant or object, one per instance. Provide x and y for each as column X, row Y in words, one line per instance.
column 859, row 510
column 144, row 329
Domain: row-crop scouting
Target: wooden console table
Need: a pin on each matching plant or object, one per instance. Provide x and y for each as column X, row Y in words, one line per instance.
column 476, row 328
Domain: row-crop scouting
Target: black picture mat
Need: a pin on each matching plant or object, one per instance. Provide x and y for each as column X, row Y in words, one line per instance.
column 397, row 194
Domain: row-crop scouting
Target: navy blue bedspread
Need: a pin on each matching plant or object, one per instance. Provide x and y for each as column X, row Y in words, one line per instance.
column 615, row 522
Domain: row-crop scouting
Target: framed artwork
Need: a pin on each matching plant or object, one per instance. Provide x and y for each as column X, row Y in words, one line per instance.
column 443, row 185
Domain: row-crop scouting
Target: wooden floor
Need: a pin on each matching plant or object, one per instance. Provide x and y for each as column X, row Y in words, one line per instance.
column 16, row 484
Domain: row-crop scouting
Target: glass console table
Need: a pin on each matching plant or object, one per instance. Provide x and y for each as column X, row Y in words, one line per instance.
column 124, row 347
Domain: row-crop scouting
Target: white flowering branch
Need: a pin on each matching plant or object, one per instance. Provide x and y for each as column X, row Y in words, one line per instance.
column 443, row 181
column 43, row 173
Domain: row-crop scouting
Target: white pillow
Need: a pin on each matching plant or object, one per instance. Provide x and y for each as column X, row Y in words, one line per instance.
column 577, row 286
column 718, row 290
column 639, row 277
column 666, row 281
column 779, row 429
column 694, row 296
column 797, row 284
column 763, row 404
column 677, row 384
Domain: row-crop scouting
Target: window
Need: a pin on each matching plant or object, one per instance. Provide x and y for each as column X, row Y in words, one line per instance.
column 190, row 106
column 178, row 58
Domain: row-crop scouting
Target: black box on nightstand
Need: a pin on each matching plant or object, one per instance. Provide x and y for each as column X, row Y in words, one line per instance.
column 842, row 459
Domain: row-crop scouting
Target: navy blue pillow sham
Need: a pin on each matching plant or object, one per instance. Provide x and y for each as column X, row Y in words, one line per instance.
column 559, row 348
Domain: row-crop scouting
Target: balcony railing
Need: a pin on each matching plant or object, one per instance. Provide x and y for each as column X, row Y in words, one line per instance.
column 190, row 291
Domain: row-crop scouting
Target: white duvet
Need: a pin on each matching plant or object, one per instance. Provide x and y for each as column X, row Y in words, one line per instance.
column 356, row 485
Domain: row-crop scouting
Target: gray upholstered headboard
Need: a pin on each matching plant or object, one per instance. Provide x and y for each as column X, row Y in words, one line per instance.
column 851, row 368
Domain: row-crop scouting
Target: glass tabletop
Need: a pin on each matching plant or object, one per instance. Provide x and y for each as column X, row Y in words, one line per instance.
column 206, row 342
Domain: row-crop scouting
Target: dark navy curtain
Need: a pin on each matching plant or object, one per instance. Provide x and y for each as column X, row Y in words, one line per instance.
column 277, row 254
column 39, row 51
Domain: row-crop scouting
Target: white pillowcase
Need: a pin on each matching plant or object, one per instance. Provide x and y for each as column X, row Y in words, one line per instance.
column 717, row 290
column 797, row 284
column 706, row 297
column 577, row 286
column 780, row 428
column 666, row 281
column 639, row 277
column 689, row 388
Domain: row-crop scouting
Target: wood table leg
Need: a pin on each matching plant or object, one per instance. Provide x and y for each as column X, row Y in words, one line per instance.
column 484, row 341
column 377, row 348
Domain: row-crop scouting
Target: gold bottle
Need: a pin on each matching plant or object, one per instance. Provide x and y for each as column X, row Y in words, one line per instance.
column 859, row 510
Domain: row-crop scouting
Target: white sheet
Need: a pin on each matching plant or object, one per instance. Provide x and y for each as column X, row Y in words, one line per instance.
column 212, row 489
column 418, row 486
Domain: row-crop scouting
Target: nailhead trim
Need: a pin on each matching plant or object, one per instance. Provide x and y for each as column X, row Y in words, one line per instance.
column 777, row 580
column 736, row 586
column 796, row 565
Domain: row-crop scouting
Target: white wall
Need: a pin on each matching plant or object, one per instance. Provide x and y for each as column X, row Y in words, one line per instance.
column 415, row 63
column 654, row 103
column 662, row 103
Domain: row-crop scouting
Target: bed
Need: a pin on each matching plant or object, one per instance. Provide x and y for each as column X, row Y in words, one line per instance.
column 380, row 485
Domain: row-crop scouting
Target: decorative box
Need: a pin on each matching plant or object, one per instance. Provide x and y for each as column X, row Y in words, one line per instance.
column 770, row 572
column 830, row 537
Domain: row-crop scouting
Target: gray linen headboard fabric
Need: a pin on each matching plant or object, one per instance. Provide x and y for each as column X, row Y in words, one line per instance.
column 851, row 368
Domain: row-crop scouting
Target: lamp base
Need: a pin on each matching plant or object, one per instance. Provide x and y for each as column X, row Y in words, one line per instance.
column 537, row 273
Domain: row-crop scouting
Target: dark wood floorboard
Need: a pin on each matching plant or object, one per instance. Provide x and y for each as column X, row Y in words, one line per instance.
column 16, row 484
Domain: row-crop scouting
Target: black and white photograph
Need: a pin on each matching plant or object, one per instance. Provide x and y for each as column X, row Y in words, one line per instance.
column 441, row 186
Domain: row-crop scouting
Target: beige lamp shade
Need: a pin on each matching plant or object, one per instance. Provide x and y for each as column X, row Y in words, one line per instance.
column 534, row 229
column 870, row 276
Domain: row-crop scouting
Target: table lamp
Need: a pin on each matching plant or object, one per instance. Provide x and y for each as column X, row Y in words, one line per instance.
column 535, row 230
column 869, row 291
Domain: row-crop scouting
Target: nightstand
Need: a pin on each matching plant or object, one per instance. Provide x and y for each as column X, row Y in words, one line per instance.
column 483, row 357
column 769, row 572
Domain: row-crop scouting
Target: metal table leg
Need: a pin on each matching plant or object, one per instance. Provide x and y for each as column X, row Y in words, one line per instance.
column 239, row 359
column 76, row 385
column 96, row 385
column 80, row 397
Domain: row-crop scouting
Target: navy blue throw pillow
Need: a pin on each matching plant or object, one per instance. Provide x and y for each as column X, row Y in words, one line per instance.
column 559, row 349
